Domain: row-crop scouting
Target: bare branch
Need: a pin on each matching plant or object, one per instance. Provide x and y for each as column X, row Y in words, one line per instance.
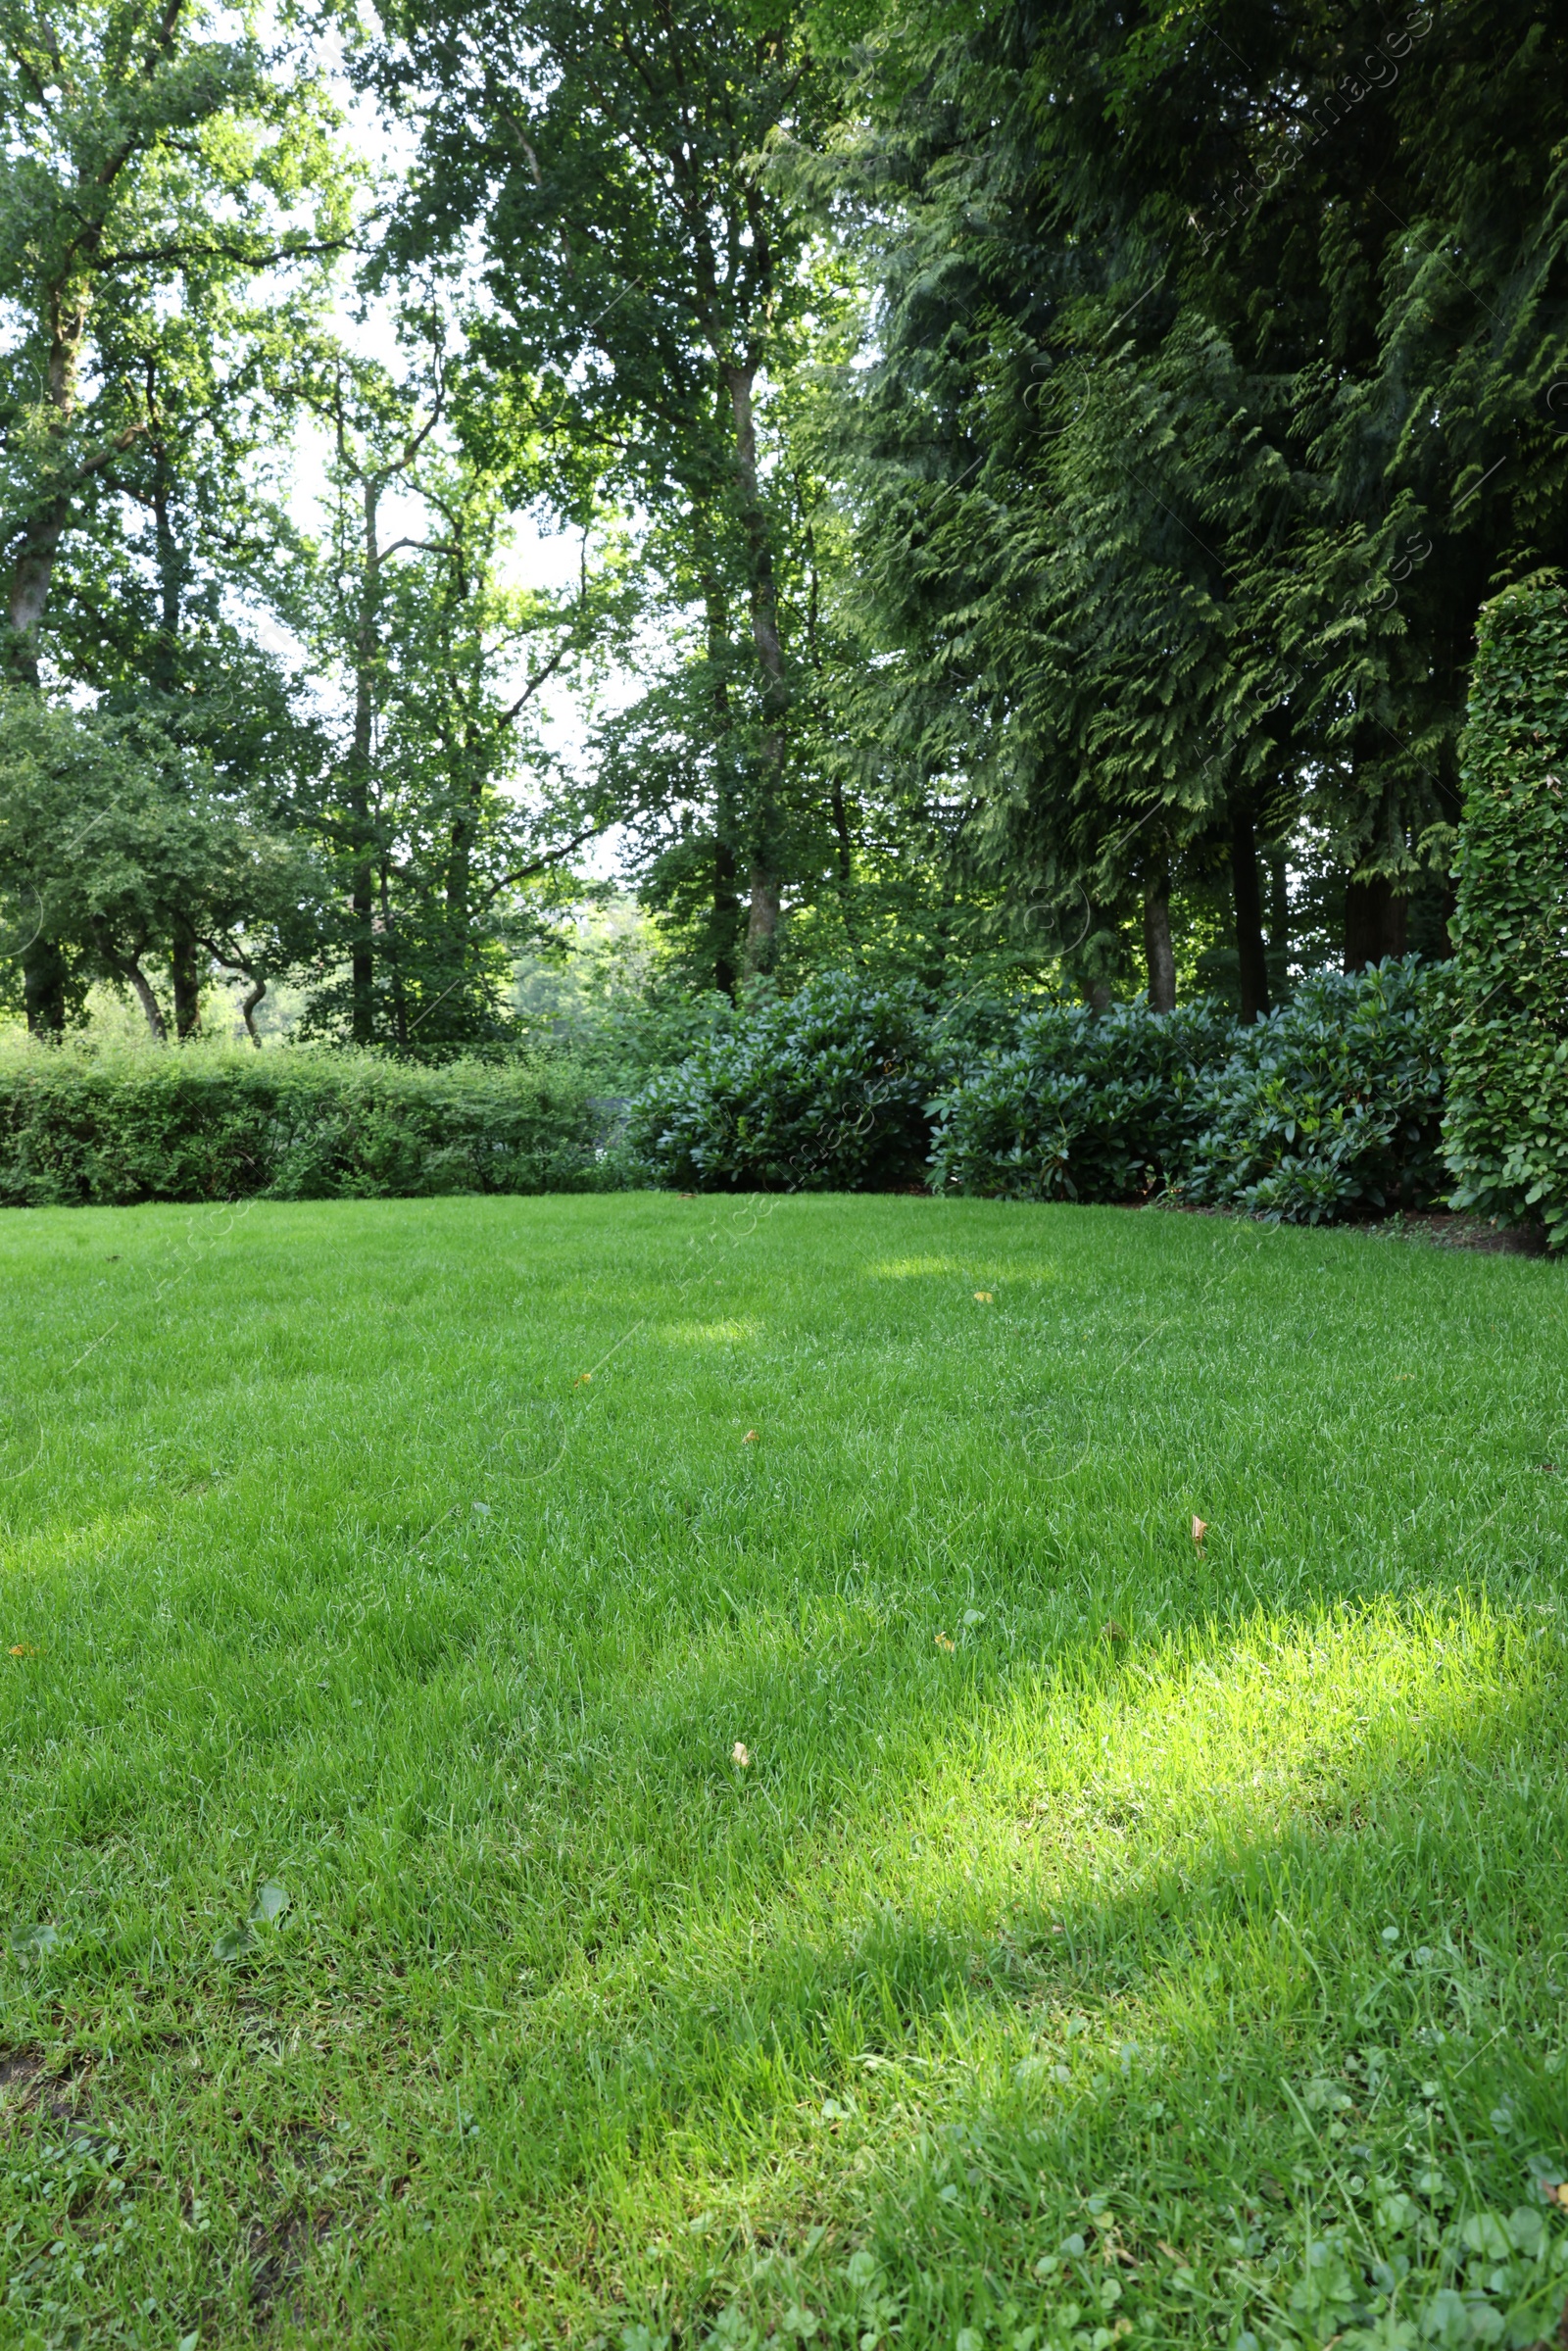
column 248, row 256
column 541, row 864
column 537, row 681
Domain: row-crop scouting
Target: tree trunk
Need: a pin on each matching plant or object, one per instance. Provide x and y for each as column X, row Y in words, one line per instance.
column 362, row 926
column 392, row 944
column 726, row 907
column 43, row 988
column 841, row 828
column 456, row 924
column 469, row 758
column 1253, row 968
column 763, row 913
column 32, row 572
column 726, row 899
column 362, row 878
column 129, row 967
column 761, row 918
column 146, row 998
column 1374, row 923
column 1156, row 943
column 185, row 971
column 836, row 801
column 247, row 1009
column 1279, row 906
column 170, row 580
column 33, row 567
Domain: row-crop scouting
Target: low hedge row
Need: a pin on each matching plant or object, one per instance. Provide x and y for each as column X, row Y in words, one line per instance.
column 1332, row 1107
column 1328, row 1108
column 81, row 1128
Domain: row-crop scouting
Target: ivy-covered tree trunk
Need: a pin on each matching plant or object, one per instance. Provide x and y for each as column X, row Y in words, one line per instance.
column 170, row 577
column 32, row 572
column 1279, row 911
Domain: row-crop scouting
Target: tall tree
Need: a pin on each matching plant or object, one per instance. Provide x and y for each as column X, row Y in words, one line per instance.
column 1192, row 559
column 157, row 590
column 644, row 284
column 155, row 159
column 445, row 802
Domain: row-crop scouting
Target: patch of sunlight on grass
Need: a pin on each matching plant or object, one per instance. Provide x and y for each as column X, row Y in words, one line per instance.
column 1279, row 1722
column 738, row 1332
column 1032, row 1273
column 1152, row 1919
column 1136, row 1760
column 911, row 1269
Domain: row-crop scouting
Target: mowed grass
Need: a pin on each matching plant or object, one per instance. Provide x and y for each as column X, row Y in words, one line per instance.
column 788, row 1838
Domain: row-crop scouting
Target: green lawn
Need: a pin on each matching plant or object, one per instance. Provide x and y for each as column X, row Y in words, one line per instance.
column 1107, row 1938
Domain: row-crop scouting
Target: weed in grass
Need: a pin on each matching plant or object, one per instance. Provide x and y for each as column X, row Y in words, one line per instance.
column 797, row 1838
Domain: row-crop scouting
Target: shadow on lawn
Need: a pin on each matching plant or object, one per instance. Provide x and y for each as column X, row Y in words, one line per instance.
column 1118, row 1971
column 1141, row 1927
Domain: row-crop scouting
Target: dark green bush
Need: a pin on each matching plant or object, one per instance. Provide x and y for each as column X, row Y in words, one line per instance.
column 1083, row 1105
column 1332, row 1105
column 824, row 1091
column 78, row 1127
column 1507, row 1131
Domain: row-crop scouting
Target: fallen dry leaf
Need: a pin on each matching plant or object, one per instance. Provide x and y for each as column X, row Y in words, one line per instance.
column 1200, row 1530
column 23, row 1648
column 943, row 1642
column 750, row 1437
column 582, row 1376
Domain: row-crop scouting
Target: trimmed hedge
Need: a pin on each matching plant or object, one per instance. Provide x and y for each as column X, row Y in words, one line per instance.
column 1328, row 1108
column 80, row 1128
column 1085, row 1105
column 1332, row 1105
column 1506, row 1130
